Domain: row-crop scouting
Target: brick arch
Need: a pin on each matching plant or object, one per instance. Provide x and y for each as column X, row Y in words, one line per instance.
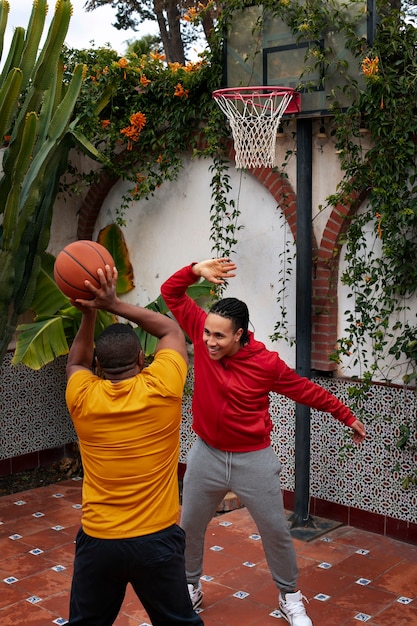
column 325, row 284
column 326, row 254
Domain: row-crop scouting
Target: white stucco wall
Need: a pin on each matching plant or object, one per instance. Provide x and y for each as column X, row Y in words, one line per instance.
column 172, row 229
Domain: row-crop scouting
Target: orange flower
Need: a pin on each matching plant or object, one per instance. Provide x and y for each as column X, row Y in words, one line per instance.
column 157, row 56
column 105, row 123
column 132, row 132
column 139, row 178
column 191, row 15
column 370, row 67
column 180, row 92
column 138, row 120
column 123, row 63
column 159, row 159
column 144, row 81
column 175, row 66
column 193, row 66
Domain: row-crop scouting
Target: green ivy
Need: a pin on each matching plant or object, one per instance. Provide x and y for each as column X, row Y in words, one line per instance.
column 178, row 115
column 381, row 238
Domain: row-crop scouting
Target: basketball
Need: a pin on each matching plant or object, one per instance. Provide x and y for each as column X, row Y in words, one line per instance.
column 78, row 262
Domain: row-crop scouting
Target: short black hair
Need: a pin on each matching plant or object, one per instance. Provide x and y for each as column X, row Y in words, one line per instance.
column 237, row 312
column 118, row 348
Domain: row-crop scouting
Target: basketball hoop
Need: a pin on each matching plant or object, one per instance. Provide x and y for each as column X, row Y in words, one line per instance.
column 254, row 114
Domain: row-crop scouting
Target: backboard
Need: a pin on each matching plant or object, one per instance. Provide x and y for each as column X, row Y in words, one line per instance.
column 271, row 55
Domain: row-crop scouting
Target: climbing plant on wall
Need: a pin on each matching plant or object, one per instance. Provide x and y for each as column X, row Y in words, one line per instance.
column 154, row 113
column 381, row 234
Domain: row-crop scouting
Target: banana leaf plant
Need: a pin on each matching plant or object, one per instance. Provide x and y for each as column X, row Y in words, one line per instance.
column 56, row 321
column 148, row 342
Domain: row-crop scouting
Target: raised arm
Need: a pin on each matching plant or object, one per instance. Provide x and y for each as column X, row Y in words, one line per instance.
column 215, row 270
column 81, row 353
column 164, row 328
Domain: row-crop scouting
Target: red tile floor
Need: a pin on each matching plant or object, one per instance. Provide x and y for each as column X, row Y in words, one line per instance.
column 348, row 575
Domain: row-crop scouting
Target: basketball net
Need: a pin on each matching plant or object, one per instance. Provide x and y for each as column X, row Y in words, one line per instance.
column 254, row 114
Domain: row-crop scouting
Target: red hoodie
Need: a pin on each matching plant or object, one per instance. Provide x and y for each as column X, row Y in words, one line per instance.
column 231, row 396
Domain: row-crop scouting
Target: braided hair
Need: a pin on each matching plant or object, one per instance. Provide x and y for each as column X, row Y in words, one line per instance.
column 237, row 312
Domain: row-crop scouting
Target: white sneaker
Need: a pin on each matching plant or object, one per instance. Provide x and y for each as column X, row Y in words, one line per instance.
column 293, row 610
column 196, row 595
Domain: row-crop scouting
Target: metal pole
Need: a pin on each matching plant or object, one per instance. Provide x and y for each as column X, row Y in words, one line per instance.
column 301, row 515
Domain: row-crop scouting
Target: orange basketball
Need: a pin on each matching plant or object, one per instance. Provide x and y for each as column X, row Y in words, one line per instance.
column 78, row 262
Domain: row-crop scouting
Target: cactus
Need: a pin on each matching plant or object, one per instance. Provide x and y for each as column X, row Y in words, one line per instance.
column 36, row 112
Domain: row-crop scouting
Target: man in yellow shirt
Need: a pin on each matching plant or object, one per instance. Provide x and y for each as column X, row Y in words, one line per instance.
column 127, row 418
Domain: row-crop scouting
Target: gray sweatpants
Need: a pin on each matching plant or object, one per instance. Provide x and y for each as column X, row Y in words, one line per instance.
column 255, row 478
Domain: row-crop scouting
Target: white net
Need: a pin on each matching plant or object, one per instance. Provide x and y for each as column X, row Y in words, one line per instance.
column 254, row 115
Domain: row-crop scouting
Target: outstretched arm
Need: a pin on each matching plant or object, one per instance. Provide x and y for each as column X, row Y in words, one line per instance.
column 359, row 432
column 215, row 270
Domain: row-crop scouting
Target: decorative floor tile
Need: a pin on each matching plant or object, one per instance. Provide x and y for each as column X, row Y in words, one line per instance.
column 240, row 594
column 34, row 599
column 38, row 564
column 322, row 597
column 362, row 617
column 58, row 568
column 403, row 600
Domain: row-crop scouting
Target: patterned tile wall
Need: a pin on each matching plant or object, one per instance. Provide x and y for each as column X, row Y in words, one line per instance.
column 33, row 413
column 34, row 417
column 366, row 479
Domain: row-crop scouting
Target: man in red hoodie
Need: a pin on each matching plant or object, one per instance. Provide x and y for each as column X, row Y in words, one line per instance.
column 233, row 376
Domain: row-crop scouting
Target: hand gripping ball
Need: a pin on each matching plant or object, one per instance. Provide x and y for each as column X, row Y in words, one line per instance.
column 78, row 262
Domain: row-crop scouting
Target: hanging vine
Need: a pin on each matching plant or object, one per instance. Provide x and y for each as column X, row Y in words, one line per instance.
column 381, row 238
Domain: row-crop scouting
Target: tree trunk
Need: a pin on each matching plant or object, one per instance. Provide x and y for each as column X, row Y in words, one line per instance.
column 168, row 18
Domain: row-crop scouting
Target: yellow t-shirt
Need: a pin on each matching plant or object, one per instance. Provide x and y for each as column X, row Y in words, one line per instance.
column 129, row 439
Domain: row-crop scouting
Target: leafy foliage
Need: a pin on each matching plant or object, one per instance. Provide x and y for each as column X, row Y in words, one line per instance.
column 180, row 23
